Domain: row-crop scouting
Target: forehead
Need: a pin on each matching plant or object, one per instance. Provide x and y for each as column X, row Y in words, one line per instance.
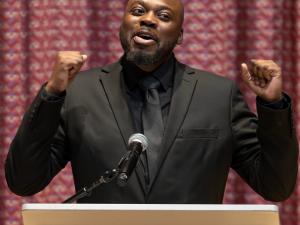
column 174, row 5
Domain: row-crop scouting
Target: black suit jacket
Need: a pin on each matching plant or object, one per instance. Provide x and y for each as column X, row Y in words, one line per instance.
column 209, row 130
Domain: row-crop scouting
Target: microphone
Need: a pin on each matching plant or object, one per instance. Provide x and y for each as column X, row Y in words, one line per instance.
column 137, row 143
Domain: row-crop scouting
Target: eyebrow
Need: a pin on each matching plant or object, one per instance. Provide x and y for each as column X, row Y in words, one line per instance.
column 161, row 7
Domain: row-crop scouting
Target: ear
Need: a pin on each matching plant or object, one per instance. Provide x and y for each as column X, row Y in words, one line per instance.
column 180, row 38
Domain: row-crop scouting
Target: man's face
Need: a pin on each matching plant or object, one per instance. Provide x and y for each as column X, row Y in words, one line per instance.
column 150, row 30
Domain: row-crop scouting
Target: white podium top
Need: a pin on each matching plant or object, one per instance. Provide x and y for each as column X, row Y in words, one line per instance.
column 149, row 214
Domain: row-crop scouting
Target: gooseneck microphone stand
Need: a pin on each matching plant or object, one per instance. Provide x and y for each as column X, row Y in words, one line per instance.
column 108, row 176
column 136, row 144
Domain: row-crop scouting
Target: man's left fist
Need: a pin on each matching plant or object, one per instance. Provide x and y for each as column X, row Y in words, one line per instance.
column 264, row 79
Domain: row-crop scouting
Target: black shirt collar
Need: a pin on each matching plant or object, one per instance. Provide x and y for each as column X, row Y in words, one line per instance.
column 164, row 73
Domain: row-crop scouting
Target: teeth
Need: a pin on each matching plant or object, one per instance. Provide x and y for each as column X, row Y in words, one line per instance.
column 144, row 36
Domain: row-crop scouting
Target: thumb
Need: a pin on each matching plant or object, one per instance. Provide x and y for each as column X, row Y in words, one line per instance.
column 248, row 79
column 84, row 57
column 245, row 73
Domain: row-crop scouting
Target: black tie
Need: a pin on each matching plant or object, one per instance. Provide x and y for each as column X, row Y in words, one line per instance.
column 152, row 122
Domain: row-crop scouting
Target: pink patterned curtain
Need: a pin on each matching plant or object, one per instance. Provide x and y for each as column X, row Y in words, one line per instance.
column 218, row 36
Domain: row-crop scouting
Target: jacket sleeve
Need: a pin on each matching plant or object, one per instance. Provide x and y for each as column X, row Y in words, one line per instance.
column 266, row 149
column 38, row 151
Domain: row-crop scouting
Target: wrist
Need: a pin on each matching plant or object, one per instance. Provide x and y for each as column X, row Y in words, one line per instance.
column 54, row 89
column 272, row 99
column 51, row 96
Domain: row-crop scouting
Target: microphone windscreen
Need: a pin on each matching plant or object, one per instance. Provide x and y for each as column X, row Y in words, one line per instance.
column 139, row 138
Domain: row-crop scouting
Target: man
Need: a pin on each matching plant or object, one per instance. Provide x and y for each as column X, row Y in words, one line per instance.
column 202, row 126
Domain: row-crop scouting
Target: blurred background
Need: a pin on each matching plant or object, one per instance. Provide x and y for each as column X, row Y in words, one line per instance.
column 218, row 36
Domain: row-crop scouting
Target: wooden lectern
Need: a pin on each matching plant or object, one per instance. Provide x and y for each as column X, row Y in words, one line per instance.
column 152, row 214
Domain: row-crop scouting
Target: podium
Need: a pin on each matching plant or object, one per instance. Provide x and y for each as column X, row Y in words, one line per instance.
column 149, row 214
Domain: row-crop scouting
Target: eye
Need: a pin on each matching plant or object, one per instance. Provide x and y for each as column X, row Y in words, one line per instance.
column 137, row 11
column 164, row 16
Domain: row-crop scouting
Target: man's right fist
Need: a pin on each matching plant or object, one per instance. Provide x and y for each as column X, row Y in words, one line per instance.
column 67, row 66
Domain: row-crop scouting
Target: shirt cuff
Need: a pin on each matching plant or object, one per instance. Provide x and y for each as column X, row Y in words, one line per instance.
column 283, row 103
column 52, row 97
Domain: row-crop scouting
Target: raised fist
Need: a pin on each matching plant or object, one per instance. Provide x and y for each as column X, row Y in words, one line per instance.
column 67, row 66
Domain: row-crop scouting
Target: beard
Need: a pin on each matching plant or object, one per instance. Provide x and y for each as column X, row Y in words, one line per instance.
column 142, row 57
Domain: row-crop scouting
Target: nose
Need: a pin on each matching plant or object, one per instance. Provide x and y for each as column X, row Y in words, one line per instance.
column 148, row 20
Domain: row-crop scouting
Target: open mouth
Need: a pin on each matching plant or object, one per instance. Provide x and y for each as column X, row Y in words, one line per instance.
column 144, row 38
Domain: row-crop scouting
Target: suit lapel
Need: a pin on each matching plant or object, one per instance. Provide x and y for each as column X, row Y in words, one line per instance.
column 112, row 81
column 115, row 93
column 183, row 89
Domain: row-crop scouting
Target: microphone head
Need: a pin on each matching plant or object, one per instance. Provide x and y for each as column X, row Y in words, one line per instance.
column 139, row 138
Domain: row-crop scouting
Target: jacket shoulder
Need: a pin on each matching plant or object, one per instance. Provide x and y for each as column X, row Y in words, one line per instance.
column 96, row 71
column 94, row 74
column 206, row 76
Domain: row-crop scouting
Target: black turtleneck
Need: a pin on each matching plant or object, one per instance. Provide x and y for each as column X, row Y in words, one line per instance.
column 135, row 95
